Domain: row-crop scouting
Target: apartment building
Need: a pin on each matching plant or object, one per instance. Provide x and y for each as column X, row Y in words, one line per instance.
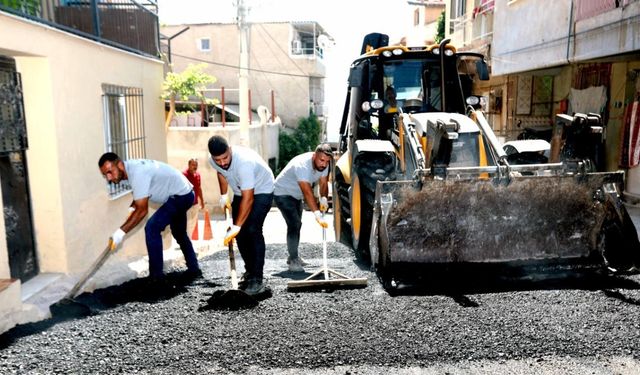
column 424, row 20
column 575, row 56
column 286, row 66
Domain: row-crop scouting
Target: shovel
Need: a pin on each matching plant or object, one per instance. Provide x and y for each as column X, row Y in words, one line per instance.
column 234, row 298
column 67, row 306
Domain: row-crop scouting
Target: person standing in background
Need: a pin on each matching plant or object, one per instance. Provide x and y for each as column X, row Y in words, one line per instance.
column 192, row 174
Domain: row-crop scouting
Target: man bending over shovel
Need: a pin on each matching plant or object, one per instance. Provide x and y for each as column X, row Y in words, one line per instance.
column 251, row 181
column 157, row 182
column 293, row 185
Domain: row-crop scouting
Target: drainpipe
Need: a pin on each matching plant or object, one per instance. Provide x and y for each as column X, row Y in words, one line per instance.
column 96, row 18
column 569, row 32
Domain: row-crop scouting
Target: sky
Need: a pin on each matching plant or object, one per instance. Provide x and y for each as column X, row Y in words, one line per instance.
column 346, row 21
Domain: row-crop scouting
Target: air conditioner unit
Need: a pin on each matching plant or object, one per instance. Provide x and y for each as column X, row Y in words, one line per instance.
column 296, row 47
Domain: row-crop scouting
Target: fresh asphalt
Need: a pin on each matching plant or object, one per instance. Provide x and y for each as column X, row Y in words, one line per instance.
column 576, row 324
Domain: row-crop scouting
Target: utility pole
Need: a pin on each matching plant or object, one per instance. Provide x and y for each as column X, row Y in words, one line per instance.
column 243, row 28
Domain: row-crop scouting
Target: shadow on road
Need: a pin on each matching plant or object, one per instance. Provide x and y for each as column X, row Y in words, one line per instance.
column 87, row 304
column 458, row 285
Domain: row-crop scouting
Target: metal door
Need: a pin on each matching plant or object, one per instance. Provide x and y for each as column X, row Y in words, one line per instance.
column 14, row 180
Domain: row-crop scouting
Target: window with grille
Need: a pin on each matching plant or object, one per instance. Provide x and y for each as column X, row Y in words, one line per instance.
column 124, row 127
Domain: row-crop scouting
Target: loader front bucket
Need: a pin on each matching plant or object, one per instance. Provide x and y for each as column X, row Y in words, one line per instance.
column 530, row 218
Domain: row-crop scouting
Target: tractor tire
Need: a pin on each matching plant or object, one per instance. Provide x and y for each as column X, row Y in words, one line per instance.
column 617, row 256
column 361, row 199
column 341, row 212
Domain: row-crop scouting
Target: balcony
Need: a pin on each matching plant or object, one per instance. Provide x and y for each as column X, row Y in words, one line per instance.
column 474, row 29
column 126, row 24
column 308, row 40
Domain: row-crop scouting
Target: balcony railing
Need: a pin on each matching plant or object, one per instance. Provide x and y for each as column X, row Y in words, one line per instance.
column 127, row 24
column 307, row 51
column 475, row 26
column 590, row 8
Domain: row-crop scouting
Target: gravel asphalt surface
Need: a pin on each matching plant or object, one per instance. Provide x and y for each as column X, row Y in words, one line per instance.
column 574, row 325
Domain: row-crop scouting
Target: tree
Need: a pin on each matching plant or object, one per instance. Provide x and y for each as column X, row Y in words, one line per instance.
column 183, row 85
column 303, row 139
column 440, row 28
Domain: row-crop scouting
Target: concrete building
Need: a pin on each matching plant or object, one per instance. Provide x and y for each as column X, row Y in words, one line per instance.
column 545, row 63
column 286, row 59
column 424, row 20
column 470, row 26
column 69, row 93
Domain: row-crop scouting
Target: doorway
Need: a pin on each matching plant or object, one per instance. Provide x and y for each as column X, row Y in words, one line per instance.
column 14, row 181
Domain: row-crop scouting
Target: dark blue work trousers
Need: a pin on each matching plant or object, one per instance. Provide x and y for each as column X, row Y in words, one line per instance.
column 250, row 238
column 173, row 213
column 291, row 209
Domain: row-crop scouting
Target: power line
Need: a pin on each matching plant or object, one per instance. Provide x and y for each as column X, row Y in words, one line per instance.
column 280, row 48
column 238, row 67
column 284, row 53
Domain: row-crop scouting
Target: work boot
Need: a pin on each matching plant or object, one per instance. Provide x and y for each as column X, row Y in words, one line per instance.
column 256, row 286
column 303, row 262
column 159, row 286
column 244, row 281
column 191, row 275
column 295, row 265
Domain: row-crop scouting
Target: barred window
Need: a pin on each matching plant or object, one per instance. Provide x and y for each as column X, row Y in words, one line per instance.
column 123, row 127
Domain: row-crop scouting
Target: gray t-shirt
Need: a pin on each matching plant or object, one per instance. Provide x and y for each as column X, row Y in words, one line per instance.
column 247, row 171
column 156, row 180
column 300, row 168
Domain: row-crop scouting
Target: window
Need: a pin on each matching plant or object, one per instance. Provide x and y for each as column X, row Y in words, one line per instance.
column 458, row 8
column 204, row 44
column 123, row 127
column 416, row 17
column 296, row 47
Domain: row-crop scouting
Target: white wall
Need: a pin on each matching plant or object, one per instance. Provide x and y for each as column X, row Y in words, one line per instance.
column 527, row 38
column 621, row 33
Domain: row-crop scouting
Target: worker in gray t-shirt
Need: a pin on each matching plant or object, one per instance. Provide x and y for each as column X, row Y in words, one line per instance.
column 157, row 182
column 295, row 183
column 251, row 181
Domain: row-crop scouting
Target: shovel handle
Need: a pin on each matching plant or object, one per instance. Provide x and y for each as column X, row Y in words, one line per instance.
column 91, row 271
column 232, row 266
column 232, row 258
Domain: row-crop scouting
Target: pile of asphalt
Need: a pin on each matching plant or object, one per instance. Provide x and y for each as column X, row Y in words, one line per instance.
column 132, row 329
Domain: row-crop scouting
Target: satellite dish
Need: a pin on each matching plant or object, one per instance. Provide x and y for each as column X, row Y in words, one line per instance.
column 324, row 42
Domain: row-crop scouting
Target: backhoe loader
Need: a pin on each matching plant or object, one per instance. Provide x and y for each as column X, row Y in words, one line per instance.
column 421, row 179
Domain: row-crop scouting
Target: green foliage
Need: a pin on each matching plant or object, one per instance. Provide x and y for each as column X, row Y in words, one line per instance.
column 190, row 82
column 303, row 139
column 440, row 28
column 29, row 7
